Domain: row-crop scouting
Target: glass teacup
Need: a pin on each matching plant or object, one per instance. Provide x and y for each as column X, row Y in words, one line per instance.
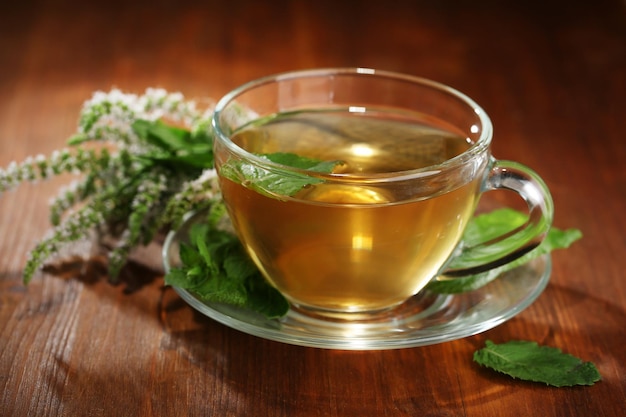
column 351, row 188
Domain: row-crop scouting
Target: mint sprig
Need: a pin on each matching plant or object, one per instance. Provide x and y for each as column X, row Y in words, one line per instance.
column 138, row 173
column 530, row 362
column 216, row 268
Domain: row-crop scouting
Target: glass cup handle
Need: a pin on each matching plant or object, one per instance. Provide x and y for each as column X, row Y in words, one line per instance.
column 503, row 249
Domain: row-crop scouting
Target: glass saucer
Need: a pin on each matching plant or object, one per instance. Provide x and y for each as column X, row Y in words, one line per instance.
column 425, row 319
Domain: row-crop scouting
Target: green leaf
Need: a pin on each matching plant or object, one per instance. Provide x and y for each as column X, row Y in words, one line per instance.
column 188, row 255
column 177, row 277
column 77, row 139
column 162, row 135
column 491, row 225
column 531, row 362
column 296, row 161
column 216, row 268
column 178, row 148
column 265, row 299
column 220, row 289
column 237, row 264
column 278, row 183
column 197, row 160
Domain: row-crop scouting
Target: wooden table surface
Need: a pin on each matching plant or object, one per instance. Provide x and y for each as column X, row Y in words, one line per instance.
column 552, row 75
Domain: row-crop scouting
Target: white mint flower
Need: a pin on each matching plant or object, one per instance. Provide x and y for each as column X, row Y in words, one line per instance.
column 131, row 184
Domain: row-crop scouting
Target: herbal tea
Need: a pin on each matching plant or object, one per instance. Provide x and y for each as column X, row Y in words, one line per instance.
column 354, row 245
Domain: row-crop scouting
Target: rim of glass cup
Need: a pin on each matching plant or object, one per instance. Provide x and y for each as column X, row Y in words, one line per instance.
column 477, row 148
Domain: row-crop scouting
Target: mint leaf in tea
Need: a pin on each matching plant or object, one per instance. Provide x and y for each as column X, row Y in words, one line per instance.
column 277, row 183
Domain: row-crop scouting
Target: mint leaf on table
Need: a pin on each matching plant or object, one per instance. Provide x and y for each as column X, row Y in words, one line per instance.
column 276, row 183
column 531, row 362
column 216, row 268
column 493, row 224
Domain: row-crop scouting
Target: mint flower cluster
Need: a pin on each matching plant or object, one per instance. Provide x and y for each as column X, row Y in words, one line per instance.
column 141, row 161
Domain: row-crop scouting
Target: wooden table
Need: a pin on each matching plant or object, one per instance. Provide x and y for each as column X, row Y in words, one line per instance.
column 552, row 75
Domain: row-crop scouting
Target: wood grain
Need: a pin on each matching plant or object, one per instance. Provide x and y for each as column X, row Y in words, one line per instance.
column 551, row 74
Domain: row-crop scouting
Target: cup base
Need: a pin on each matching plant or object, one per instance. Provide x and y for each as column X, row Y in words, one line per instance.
column 416, row 304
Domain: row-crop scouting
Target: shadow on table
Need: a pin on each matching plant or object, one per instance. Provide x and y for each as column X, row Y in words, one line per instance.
column 143, row 267
column 133, row 277
column 244, row 372
column 210, row 369
column 295, row 379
